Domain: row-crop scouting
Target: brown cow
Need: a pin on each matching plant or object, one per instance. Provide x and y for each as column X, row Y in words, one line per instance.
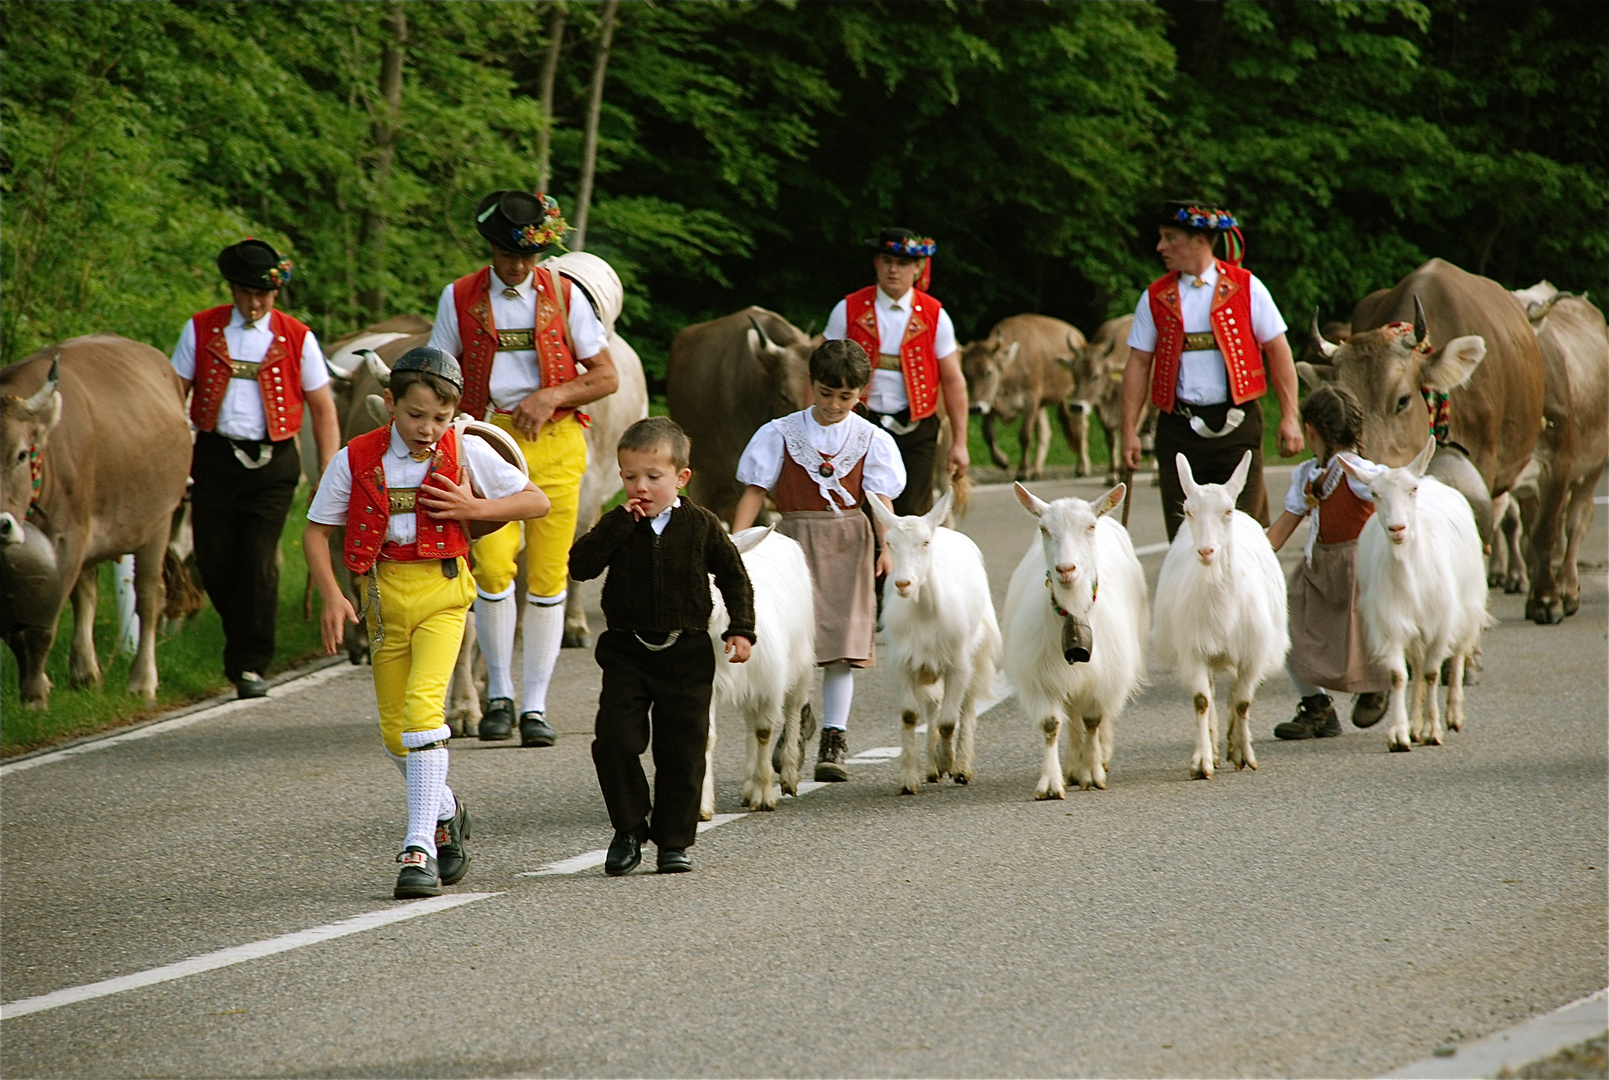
column 1097, row 369
column 1013, row 373
column 103, row 417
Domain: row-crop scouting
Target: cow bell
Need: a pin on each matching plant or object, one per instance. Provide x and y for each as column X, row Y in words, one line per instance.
column 1075, row 640
column 31, row 588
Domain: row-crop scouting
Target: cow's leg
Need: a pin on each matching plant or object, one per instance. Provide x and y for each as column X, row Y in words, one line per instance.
column 463, row 700
column 1543, row 605
column 83, row 668
column 1237, row 740
column 1580, row 522
column 149, row 596
column 1051, row 784
column 31, row 646
column 706, row 801
column 577, row 634
column 1074, row 417
column 1035, row 439
column 1511, row 529
column 1205, row 755
column 995, row 453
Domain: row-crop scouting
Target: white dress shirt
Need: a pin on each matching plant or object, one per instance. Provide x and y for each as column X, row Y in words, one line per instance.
column 887, row 394
column 490, row 477
column 1203, row 379
column 884, row 472
column 661, row 519
column 241, row 415
column 515, row 372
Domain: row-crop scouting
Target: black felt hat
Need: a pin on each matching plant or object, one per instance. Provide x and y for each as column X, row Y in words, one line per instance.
column 435, row 361
column 253, row 264
column 519, row 222
column 902, row 242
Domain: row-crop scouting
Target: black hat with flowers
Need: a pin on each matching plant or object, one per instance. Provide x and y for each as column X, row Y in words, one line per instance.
column 519, row 222
column 1202, row 217
column 253, row 264
column 902, row 242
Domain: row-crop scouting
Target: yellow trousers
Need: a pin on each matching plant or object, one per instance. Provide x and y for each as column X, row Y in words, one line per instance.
column 420, row 621
column 557, row 458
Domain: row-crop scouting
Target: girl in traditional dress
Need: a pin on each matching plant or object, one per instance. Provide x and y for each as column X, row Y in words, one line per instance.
column 1327, row 646
column 821, row 463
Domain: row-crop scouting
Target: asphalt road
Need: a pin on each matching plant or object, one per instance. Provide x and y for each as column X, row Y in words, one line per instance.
column 1341, row 911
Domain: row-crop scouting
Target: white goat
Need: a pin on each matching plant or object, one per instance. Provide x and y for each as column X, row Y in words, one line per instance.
column 1082, row 568
column 773, row 687
column 1220, row 606
column 1421, row 592
column 943, row 640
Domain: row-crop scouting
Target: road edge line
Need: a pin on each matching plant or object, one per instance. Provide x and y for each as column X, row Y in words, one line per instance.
column 1514, row 1047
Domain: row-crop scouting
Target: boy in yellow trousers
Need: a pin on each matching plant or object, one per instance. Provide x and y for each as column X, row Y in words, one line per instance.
column 402, row 493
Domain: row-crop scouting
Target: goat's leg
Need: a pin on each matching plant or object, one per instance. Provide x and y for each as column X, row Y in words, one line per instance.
column 463, row 700
column 1051, row 785
column 149, row 597
column 1106, row 744
column 966, row 729
column 1455, row 692
column 763, row 728
column 706, row 801
column 910, row 757
column 791, row 754
column 1090, row 771
column 944, row 713
column 1237, row 740
column 1430, row 729
column 1204, row 759
column 1397, row 734
column 83, row 668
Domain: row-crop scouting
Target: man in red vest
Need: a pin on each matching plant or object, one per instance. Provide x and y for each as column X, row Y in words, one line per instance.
column 1201, row 334
column 533, row 352
column 252, row 369
column 915, row 362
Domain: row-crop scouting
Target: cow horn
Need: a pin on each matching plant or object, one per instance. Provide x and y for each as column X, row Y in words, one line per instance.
column 376, row 366
column 375, row 404
column 765, row 340
column 41, row 397
column 1326, row 348
column 1419, row 327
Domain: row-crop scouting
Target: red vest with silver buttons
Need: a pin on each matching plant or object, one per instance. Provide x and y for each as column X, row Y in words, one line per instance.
column 1230, row 320
column 279, row 376
column 368, row 511
column 916, row 359
column 477, row 337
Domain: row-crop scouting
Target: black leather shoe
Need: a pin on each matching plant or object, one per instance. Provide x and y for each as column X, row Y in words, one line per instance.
column 674, row 860
column 625, row 852
column 498, row 722
column 1368, row 709
column 419, row 876
column 251, row 685
column 534, row 730
column 1315, row 719
column 451, row 858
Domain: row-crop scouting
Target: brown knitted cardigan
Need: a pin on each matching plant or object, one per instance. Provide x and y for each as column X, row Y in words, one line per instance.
column 659, row 582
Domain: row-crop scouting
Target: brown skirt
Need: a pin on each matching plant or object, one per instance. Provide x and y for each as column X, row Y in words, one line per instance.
column 1327, row 646
column 838, row 549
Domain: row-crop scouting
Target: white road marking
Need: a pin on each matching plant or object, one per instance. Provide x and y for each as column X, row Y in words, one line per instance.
column 875, row 755
column 306, row 682
column 1521, row 1044
column 588, row 859
column 1602, row 500
column 239, row 954
column 1151, row 549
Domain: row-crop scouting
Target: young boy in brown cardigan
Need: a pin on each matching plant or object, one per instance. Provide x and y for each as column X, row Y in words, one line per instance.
column 660, row 551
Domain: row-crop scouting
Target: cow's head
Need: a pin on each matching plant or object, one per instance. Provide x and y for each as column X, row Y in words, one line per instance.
column 1088, row 364
column 982, row 364
column 25, row 426
column 1333, row 332
column 1386, row 369
column 787, row 366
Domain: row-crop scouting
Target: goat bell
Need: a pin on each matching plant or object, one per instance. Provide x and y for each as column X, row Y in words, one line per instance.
column 1075, row 640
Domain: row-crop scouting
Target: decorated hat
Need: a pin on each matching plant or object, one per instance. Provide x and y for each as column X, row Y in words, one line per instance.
column 252, row 264
column 1199, row 216
column 520, row 222
column 902, row 242
column 435, row 361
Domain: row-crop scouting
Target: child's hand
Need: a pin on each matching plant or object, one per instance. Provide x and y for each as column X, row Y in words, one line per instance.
column 442, row 498
column 737, row 649
column 885, row 564
column 332, row 624
column 638, row 509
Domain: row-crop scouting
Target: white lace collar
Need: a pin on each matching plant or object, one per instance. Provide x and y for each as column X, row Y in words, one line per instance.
column 827, row 472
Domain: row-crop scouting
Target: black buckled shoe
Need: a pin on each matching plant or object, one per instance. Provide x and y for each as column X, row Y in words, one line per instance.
column 1315, row 719
column 452, row 860
column 625, row 852
column 674, row 860
column 251, row 685
column 498, row 722
column 534, row 730
column 1369, row 708
column 830, row 766
column 419, row 876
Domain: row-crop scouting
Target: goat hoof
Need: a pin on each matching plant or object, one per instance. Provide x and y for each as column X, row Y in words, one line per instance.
column 934, row 777
column 962, row 778
column 706, row 815
column 1400, row 748
column 907, row 789
column 1050, row 793
column 576, row 641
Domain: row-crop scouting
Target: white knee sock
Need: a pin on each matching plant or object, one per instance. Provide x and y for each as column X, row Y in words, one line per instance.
column 426, row 771
column 128, row 620
column 544, row 633
column 1303, row 687
column 494, row 626
column 449, row 803
column 837, row 694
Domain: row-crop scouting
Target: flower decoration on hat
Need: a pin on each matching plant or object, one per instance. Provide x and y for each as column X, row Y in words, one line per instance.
column 546, row 231
column 1213, row 219
column 911, row 247
column 280, row 274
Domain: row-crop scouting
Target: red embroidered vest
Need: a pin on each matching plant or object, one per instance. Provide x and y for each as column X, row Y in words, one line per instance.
column 279, row 376
column 369, row 509
column 1230, row 320
column 477, row 336
column 916, row 357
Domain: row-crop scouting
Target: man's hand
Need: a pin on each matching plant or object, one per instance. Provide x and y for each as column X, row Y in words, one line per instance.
column 1290, row 435
column 338, row 611
column 442, row 498
column 532, row 413
column 1131, row 451
column 960, row 460
column 737, row 649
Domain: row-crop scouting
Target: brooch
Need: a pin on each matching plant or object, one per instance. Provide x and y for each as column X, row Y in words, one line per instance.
column 825, row 469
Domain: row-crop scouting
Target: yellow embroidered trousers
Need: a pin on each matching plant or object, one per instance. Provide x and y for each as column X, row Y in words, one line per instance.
column 557, row 458
column 420, row 625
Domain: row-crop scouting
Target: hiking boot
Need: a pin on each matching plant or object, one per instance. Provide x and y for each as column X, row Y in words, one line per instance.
column 1315, row 719
column 534, row 730
column 830, row 767
column 1368, row 708
column 419, row 876
column 498, row 723
column 451, row 858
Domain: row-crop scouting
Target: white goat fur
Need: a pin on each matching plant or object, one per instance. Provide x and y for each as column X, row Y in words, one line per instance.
column 774, row 685
column 1220, row 607
column 1421, row 594
column 943, row 639
column 1078, row 547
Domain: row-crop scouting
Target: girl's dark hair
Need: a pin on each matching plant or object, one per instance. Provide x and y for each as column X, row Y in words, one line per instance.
column 1337, row 417
column 840, row 365
column 403, row 381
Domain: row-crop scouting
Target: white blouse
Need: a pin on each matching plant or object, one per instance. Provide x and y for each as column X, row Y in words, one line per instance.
column 884, row 473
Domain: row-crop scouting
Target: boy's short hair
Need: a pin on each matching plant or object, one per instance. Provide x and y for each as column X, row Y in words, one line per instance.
column 1337, row 417
column 655, row 431
column 403, row 381
column 840, row 365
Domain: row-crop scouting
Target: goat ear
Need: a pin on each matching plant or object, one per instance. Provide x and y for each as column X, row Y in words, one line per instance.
column 941, row 510
column 1419, row 464
column 751, row 538
column 1111, row 500
column 1237, row 479
column 883, row 514
column 1315, row 375
column 1454, row 364
column 1187, row 479
column 1034, row 506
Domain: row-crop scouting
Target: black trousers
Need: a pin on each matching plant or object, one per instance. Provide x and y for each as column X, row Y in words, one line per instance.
column 238, row 515
column 674, row 687
column 1211, row 460
column 917, row 449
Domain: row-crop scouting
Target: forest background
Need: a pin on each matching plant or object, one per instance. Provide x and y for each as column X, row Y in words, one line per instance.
column 746, row 149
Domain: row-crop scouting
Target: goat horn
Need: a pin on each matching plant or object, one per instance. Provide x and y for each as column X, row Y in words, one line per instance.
column 1326, row 348
column 1419, row 327
column 42, row 396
